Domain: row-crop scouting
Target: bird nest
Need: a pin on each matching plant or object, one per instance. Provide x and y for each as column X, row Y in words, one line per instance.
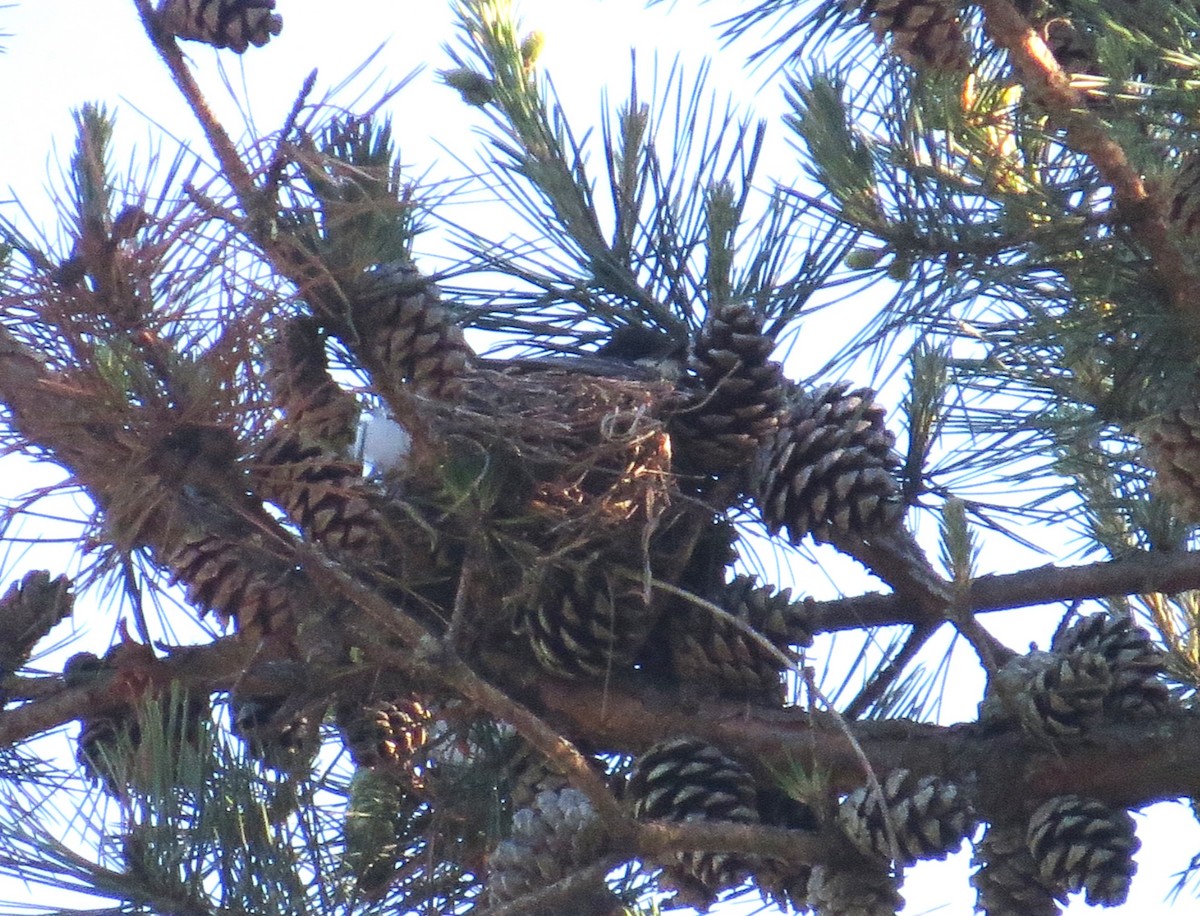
column 558, row 476
column 590, row 453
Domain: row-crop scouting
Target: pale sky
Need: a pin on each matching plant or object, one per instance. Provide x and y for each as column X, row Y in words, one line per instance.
column 62, row 53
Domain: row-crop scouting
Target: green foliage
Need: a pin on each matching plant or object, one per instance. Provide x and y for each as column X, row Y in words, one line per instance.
column 362, row 211
column 672, row 226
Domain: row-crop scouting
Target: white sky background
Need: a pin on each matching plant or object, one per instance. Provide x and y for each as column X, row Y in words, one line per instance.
column 63, row 53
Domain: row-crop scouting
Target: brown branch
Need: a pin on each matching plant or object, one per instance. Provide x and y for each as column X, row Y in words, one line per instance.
column 1145, row 573
column 1127, row 764
column 658, row 839
column 885, row 676
column 895, row 557
column 231, row 163
column 215, row 666
column 1087, row 134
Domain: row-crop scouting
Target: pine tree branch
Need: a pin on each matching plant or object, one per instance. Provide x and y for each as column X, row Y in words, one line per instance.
column 1145, row 573
column 200, row 669
column 1086, row 133
column 896, row 558
column 1128, row 764
column 231, row 163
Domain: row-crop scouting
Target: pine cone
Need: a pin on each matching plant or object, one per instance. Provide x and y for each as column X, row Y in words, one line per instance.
column 383, row 733
column 926, row 34
column 233, row 24
column 1171, row 444
column 113, row 748
column 830, row 468
column 1137, row 665
column 552, row 838
column 527, row 773
column 413, row 339
column 28, row 611
column 1073, row 46
column 741, row 390
column 713, row 654
column 1051, row 695
column 929, row 818
column 585, row 625
column 220, row 575
column 865, row 889
column 297, row 373
column 282, row 738
column 1082, row 844
column 325, row 495
column 374, row 818
column 1007, row 878
column 686, row 779
column 103, row 748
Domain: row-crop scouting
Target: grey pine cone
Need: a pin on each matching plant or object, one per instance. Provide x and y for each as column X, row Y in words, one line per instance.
column 716, row 655
column 866, row 889
column 284, row 739
column 1081, row 844
column 1050, row 695
column 1007, row 878
column 687, row 779
column 586, row 626
column 929, row 818
column 740, row 395
column 553, row 837
column 1136, row 663
column 830, row 468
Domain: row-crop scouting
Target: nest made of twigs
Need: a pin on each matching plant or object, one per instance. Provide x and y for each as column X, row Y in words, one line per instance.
column 594, row 450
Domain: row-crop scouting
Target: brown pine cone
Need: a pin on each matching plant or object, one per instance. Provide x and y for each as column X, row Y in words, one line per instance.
column 1171, row 445
column 297, row 373
column 714, row 655
column 28, row 611
column 411, row 336
column 383, row 732
column 233, row 24
column 927, row 34
column 221, row 575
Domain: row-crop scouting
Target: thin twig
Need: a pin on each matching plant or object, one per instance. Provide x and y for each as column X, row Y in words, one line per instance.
column 883, row 677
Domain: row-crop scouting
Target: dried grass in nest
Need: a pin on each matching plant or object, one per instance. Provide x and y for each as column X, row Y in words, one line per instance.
column 596, row 448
